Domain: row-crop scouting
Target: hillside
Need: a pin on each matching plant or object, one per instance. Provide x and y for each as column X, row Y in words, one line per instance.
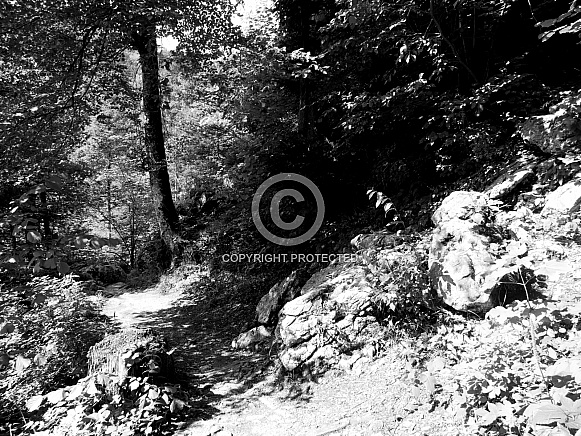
column 290, row 217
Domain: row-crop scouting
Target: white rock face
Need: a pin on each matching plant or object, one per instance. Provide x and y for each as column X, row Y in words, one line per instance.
column 471, row 265
column 565, row 199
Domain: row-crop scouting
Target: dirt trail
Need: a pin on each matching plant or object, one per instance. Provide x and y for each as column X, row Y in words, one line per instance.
column 137, row 309
column 240, row 394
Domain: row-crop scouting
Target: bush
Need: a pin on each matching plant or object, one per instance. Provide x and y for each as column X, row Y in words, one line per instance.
column 401, row 276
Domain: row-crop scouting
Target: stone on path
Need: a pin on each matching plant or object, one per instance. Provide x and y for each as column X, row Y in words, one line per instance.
column 253, row 336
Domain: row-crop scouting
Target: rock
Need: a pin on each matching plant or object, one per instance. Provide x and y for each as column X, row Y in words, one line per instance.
column 281, row 293
column 347, row 362
column 132, row 352
column 471, row 265
column 513, row 180
column 560, row 130
column 565, row 199
column 333, row 312
column 557, row 171
column 462, row 205
column 376, row 241
column 376, row 425
column 500, row 316
column 293, row 357
column 322, row 277
column 369, row 351
column 251, row 337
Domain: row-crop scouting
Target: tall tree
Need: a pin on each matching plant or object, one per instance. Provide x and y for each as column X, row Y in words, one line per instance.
column 145, row 41
column 95, row 33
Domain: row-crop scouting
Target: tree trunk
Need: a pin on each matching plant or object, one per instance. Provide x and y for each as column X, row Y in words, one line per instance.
column 146, row 44
column 109, row 207
column 132, row 238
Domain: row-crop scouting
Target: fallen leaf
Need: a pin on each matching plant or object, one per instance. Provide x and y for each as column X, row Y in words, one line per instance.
column 92, row 389
column 34, row 403
column 40, row 359
column 55, row 396
column 7, row 328
column 4, row 359
column 21, row 363
column 176, row 405
column 75, row 392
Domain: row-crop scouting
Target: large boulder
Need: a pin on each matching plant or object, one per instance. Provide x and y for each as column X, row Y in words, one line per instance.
column 463, row 205
column 338, row 319
column 330, row 315
column 560, row 130
column 281, row 293
column 472, row 264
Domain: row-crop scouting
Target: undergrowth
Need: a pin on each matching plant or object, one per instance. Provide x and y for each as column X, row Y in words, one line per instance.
column 517, row 372
column 47, row 327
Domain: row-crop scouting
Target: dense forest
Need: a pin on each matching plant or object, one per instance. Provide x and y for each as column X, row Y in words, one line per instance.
column 408, row 99
column 135, row 135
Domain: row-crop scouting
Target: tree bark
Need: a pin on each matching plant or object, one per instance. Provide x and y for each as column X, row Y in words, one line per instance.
column 146, row 44
column 132, row 236
column 109, row 207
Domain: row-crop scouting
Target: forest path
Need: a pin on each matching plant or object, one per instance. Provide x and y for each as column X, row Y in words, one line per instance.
column 239, row 393
column 136, row 309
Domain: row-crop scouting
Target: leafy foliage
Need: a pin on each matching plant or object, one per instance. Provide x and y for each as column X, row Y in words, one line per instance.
column 516, row 372
column 404, row 298
column 89, row 407
column 48, row 327
column 33, row 238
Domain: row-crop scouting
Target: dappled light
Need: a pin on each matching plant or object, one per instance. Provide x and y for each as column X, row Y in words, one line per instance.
column 290, row 217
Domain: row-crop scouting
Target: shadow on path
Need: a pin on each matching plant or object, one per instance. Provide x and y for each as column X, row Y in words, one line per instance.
column 201, row 331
